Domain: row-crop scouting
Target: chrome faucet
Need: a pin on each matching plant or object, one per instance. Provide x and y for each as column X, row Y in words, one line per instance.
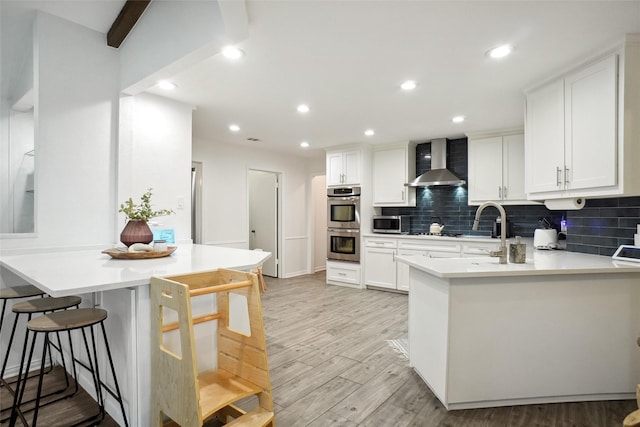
column 502, row 253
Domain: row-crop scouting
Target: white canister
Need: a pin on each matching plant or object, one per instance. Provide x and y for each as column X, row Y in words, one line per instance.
column 159, row 245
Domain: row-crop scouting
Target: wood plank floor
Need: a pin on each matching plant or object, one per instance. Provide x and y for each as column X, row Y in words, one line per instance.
column 331, row 365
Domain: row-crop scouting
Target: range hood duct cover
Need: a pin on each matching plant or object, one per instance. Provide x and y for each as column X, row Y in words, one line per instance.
column 439, row 174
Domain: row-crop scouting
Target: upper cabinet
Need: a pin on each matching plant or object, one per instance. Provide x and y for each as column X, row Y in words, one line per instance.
column 344, row 167
column 393, row 166
column 581, row 130
column 496, row 167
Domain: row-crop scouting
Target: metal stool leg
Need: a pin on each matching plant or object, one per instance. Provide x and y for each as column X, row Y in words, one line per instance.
column 113, row 373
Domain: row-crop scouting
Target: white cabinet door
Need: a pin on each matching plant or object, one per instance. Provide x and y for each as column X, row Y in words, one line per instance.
column 351, row 168
column 544, row 143
column 334, row 169
column 343, row 168
column 389, row 172
column 590, row 126
column 402, row 269
column 485, row 169
column 392, row 168
column 380, row 267
column 513, row 168
column 343, row 273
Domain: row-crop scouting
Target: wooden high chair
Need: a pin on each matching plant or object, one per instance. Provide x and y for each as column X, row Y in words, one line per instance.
column 179, row 391
column 633, row 419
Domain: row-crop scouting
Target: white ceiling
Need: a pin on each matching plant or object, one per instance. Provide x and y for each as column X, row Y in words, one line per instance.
column 346, row 59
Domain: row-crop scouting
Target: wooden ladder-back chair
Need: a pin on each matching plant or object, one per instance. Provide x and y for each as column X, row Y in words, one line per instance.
column 633, row 419
column 179, row 391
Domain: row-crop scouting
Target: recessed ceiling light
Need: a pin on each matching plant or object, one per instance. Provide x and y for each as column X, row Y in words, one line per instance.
column 457, row 119
column 408, row 85
column 234, row 128
column 369, row 132
column 304, row 144
column 232, row 52
column 166, row 85
column 500, row 51
column 303, row 108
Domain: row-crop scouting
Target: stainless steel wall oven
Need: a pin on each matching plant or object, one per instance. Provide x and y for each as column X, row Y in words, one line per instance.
column 343, row 224
column 343, row 244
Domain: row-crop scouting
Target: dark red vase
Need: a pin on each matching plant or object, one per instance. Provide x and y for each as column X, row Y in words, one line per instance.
column 136, row 232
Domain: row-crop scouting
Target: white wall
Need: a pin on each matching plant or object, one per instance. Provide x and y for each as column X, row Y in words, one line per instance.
column 319, row 226
column 225, row 201
column 76, row 104
column 155, row 152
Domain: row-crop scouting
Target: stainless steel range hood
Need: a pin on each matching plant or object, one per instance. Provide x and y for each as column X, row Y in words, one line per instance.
column 439, row 174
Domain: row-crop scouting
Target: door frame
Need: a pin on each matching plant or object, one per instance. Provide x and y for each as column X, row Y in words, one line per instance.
column 196, row 214
column 279, row 243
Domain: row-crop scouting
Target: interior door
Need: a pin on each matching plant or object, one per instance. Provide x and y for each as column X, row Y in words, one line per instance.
column 263, row 217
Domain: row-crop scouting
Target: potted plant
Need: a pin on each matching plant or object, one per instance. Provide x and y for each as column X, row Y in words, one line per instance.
column 137, row 230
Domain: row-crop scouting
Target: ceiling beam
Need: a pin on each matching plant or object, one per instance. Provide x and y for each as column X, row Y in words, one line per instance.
column 124, row 23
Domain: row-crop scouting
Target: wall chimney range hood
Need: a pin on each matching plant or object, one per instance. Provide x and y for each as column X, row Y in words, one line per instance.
column 439, row 174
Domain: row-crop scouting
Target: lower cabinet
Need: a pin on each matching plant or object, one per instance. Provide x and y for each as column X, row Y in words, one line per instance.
column 344, row 274
column 380, row 267
column 381, row 270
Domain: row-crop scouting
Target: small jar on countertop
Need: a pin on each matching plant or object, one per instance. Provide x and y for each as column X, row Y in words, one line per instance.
column 517, row 252
column 159, row 245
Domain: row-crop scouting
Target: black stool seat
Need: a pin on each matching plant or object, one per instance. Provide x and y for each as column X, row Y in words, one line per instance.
column 67, row 320
column 42, row 305
column 23, row 291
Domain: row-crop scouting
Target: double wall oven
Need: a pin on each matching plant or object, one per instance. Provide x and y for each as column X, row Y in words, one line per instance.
column 343, row 224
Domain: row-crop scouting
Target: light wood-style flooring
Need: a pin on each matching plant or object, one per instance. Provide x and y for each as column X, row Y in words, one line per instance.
column 331, row 365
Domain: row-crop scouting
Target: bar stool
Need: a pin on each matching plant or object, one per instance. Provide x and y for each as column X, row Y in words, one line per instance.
column 29, row 308
column 24, row 291
column 66, row 321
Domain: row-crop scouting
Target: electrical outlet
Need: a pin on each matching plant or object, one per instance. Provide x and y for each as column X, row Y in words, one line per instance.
column 180, row 202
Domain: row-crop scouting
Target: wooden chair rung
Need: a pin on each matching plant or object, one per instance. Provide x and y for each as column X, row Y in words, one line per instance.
column 196, row 320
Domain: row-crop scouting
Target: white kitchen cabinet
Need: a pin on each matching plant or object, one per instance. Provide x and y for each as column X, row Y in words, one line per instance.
column 402, row 269
column 496, row 168
column 380, row 262
column 581, row 129
column 344, row 274
column 381, row 269
column 393, row 166
column 344, row 167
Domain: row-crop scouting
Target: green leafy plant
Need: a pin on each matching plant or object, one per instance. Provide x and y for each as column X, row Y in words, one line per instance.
column 143, row 211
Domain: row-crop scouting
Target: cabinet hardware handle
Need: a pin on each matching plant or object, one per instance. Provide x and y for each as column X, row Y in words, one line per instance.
column 403, row 195
column 499, row 192
column 342, row 274
column 558, row 181
column 504, row 192
column 566, row 176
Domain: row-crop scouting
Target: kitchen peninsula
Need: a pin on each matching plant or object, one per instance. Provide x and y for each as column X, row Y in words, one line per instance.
column 121, row 287
column 559, row 328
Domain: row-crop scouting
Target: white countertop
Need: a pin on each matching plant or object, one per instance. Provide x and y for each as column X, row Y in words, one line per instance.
column 61, row 273
column 539, row 262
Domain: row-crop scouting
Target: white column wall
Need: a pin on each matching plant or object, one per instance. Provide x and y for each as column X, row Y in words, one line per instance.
column 76, row 104
column 155, row 152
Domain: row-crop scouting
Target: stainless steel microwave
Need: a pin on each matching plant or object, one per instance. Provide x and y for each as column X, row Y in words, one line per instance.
column 391, row 224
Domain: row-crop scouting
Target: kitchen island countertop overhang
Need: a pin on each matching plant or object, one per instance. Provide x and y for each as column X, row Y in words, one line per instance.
column 122, row 288
column 71, row 272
